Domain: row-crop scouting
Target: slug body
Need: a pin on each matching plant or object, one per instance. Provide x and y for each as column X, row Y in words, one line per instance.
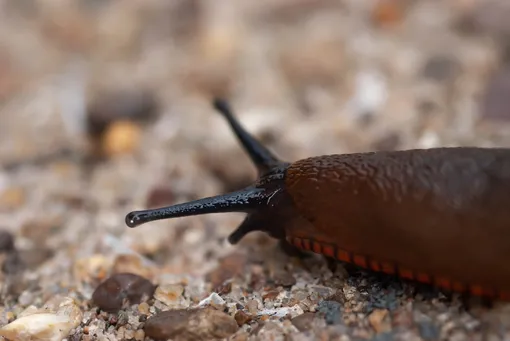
column 437, row 216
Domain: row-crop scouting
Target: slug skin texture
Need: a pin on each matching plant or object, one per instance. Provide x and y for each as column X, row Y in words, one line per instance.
column 441, row 214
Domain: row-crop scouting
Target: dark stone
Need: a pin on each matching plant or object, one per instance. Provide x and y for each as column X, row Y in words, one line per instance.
column 190, row 324
column 13, row 264
column 6, row 241
column 120, row 290
column 440, row 68
column 137, row 106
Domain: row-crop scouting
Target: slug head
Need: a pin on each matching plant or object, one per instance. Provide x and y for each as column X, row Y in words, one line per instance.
column 266, row 202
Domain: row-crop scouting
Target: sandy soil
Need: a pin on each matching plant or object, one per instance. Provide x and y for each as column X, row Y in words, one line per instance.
column 105, row 108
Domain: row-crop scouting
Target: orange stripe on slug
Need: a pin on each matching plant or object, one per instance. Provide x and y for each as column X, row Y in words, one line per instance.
column 360, row 261
column 458, row 287
column 405, row 273
column 489, row 292
column 375, row 266
column 388, row 268
column 328, row 250
column 424, row 278
column 343, row 255
column 306, row 244
column 443, row 283
column 316, row 247
column 476, row 290
column 504, row 296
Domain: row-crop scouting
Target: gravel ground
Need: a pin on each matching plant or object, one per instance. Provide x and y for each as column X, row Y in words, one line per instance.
column 105, row 108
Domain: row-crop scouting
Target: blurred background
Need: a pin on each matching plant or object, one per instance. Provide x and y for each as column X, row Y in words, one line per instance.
column 105, row 107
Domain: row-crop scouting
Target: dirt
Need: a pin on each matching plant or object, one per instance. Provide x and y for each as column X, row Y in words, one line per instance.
column 106, row 108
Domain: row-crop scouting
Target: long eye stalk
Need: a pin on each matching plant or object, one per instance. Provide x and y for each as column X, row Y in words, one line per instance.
column 261, row 157
column 244, row 200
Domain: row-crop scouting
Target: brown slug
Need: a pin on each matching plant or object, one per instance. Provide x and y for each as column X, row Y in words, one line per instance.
column 437, row 216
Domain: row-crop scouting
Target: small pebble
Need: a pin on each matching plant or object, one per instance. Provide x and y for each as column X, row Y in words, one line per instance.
column 122, row 137
column 169, row 294
column 332, row 311
column 378, row 322
column 125, row 334
column 139, row 335
column 122, row 318
column 11, row 198
column 113, row 319
column 26, row 298
column 224, row 289
column 191, row 324
column 143, row 308
column 130, row 263
column 253, row 306
column 110, row 294
column 304, row 321
column 214, row 300
column 282, row 312
column 43, row 326
column 271, row 295
column 241, row 317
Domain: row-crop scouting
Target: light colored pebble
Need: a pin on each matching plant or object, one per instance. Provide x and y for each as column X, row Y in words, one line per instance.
column 26, row 298
column 139, row 335
column 143, row 308
column 42, row 326
column 169, row 294
column 213, row 300
column 281, row 312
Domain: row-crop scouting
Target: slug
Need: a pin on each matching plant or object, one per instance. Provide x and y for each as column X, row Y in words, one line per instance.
column 437, row 216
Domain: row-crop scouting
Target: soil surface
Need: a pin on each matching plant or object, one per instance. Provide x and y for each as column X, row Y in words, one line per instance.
column 105, row 108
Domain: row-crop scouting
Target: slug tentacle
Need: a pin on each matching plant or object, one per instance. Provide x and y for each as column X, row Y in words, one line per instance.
column 262, row 158
column 244, row 200
column 251, row 223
